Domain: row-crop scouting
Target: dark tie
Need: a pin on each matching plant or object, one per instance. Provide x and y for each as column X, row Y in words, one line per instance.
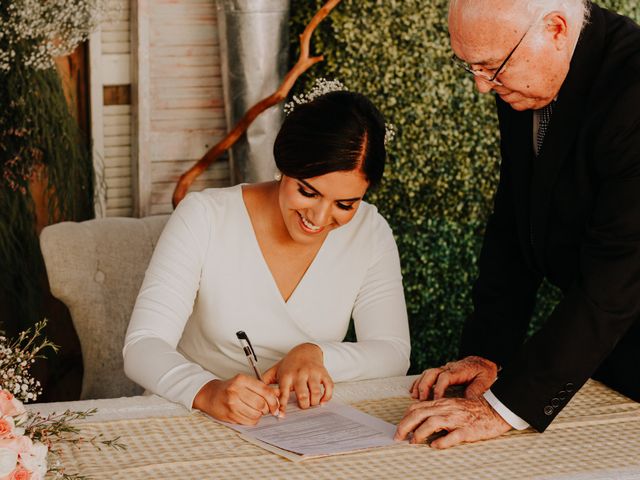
column 544, row 119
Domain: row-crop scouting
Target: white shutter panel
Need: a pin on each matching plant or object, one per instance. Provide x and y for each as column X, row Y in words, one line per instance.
column 179, row 78
column 167, row 51
column 110, row 60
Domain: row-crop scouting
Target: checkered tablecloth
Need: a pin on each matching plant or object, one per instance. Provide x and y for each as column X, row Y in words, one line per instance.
column 596, row 436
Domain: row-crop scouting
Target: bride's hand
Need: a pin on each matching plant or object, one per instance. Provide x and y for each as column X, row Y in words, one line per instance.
column 241, row 399
column 302, row 370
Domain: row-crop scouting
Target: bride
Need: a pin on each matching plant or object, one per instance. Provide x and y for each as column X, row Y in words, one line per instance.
column 290, row 262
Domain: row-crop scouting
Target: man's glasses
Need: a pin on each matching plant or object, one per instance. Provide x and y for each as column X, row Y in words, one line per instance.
column 486, row 74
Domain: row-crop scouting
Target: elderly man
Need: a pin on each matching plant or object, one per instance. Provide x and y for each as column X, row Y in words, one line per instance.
column 566, row 75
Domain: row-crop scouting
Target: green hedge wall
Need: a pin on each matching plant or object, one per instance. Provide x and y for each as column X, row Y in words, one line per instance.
column 443, row 167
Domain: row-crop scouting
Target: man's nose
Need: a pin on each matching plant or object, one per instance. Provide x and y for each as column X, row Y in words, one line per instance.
column 483, row 85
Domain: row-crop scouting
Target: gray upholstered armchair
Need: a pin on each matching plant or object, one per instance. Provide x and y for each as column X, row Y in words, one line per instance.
column 96, row 268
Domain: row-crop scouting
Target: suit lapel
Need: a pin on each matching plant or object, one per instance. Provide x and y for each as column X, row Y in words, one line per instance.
column 561, row 134
column 563, row 129
column 519, row 148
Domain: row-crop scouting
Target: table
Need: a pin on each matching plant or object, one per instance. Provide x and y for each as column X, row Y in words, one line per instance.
column 596, row 436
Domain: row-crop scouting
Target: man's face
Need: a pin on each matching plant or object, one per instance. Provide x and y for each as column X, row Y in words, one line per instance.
column 534, row 73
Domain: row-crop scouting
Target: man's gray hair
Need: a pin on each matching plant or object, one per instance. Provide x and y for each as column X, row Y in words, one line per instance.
column 576, row 10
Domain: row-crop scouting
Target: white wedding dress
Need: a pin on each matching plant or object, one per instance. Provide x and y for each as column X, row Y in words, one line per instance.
column 208, row 279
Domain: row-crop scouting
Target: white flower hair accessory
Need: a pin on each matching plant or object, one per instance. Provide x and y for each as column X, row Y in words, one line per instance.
column 322, row 86
column 389, row 133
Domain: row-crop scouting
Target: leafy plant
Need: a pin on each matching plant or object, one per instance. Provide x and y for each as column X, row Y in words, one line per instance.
column 39, row 142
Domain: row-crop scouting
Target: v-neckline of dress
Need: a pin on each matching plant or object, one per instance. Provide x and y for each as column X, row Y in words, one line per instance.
column 265, row 265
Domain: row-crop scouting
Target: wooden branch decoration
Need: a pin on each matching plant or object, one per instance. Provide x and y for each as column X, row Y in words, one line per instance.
column 302, row 65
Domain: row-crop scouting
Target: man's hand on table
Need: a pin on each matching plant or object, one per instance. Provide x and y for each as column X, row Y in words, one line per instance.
column 466, row 419
column 476, row 372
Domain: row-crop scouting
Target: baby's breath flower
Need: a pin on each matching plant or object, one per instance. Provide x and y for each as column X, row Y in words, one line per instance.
column 17, row 358
column 389, row 133
column 35, row 31
column 322, row 86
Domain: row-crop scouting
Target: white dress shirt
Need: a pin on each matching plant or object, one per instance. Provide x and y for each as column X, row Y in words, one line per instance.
column 507, row 415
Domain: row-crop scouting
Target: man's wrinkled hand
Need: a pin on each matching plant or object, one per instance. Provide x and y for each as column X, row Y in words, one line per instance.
column 464, row 420
column 476, row 372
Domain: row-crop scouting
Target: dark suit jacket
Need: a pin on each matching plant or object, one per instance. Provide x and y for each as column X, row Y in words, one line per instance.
column 571, row 215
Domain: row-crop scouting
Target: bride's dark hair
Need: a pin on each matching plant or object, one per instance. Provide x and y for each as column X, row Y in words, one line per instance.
column 339, row 131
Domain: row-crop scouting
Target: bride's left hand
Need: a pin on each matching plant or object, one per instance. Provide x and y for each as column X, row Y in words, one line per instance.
column 302, row 371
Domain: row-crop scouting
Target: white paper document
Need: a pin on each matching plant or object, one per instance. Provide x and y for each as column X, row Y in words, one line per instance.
column 334, row 428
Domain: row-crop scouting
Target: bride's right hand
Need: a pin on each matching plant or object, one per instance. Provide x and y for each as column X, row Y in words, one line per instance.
column 241, row 399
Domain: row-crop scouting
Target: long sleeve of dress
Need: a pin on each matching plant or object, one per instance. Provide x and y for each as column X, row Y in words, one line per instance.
column 380, row 319
column 164, row 305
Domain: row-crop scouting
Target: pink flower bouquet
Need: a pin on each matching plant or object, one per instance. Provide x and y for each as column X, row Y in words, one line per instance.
column 28, row 439
column 21, row 458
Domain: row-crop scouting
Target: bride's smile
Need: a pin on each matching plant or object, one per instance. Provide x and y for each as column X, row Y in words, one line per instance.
column 308, row 226
column 312, row 207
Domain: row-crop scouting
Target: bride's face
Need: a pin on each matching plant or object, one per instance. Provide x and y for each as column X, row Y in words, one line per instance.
column 312, row 207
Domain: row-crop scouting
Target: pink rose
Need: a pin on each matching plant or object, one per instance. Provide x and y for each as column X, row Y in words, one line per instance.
column 10, row 405
column 7, row 426
column 20, row 445
column 8, row 462
column 20, row 474
column 35, row 460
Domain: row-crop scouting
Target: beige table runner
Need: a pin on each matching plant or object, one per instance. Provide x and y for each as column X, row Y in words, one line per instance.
column 596, row 436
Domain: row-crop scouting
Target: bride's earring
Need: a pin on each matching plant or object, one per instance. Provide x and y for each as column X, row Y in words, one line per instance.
column 277, row 176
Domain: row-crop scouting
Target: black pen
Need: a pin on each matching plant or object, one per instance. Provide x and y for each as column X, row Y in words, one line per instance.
column 252, row 358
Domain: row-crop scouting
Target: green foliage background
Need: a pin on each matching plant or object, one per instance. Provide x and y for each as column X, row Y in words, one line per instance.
column 443, row 165
column 36, row 130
